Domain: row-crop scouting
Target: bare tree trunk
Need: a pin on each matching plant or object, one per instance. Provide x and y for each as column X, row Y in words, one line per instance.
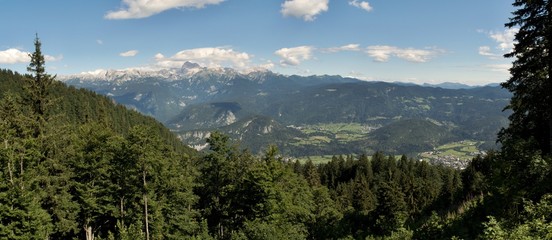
column 9, row 164
column 121, row 206
column 89, row 233
column 550, row 136
column 549, row 9
column 145, row 205
column 21, row 172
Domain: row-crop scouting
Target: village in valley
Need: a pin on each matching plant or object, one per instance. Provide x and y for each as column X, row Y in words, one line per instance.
column 457, row 155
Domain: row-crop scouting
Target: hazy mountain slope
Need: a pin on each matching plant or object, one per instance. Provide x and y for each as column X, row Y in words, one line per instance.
column 194, row 100
column 164, row 94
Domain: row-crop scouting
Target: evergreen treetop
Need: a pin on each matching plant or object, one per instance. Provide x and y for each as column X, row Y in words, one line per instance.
column 530, row 80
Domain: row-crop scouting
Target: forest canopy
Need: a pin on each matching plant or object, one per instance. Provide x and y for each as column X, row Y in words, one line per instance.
column 75, row 165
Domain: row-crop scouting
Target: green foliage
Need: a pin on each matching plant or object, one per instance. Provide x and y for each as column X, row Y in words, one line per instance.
column 531, row 78
column 132, row 232
column 74, row 165
column 67, row 168
column 536, row 223
column 38, row 88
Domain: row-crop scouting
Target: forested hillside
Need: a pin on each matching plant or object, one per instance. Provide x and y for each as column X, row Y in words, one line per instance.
column 75, row 165
column 72, row 106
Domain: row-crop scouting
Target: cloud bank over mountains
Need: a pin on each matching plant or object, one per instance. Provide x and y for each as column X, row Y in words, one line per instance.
column 307, row 10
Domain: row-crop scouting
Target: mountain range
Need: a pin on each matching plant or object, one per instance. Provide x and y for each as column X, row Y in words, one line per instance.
column 261, row 107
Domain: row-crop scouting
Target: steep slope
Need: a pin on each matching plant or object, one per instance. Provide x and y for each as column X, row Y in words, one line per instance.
column 77, row 106
column 208, row 116
column 194, row 100
column 165, row 93
column 411, row 135
column 253, row 132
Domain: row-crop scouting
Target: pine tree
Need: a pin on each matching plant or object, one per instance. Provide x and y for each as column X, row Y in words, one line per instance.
column 95, row 150
column 530, row 81
column 21, row 216
column 310, row 172
column 38, row 87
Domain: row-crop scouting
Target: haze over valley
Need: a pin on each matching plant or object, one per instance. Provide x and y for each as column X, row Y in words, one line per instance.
column 296, row 113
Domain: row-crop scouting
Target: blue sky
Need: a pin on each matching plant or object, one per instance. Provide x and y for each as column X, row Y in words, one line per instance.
column 427, row 41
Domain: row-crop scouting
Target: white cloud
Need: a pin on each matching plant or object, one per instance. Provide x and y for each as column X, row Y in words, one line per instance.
column 294, row 56
column 306, row 9
column 505, row 39
column 210, row 57
column 13, row 55
column 502, row 68
column 505, row 42
column 159, row 56
column 130, row 53
column 487, row 52
column 146, row 8
column 99, row 41
column 382, row 53
column 268, row 65
column 52, row 58
column 348, row 47
column 362, row 5
column 259, row 68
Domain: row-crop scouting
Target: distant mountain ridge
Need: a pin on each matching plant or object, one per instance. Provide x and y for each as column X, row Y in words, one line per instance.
column 194, row 100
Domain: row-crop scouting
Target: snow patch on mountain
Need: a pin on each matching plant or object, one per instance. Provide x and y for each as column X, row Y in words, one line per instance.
column 192, row 72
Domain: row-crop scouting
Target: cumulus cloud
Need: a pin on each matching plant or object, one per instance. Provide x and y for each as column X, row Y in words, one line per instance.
column 362, row 5
column 130, row 53
column 306, row 9
column 99, row 41
column 485, row 51
column 146, row 8
column 13, row 55
column 294, row 56
column 210, row 57
column 505, row 39
column 268, row 65
column 348, row 47
column 382, row 53
column 159, row 56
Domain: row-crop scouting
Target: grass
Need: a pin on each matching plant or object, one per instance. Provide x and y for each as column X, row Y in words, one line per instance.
column 323, row 134
column 464, row 150
column 316, row 159
column 320, row 134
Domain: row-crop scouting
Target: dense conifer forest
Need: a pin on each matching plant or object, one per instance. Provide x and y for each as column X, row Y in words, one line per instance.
column 75, row 165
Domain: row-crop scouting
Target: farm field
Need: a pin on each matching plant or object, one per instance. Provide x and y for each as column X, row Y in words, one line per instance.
column 341, row 132
column 455, row 154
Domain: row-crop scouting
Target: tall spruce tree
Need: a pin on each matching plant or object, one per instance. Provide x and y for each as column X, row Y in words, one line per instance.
column 530, row 81
column 50, row 172
column 37, row 87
